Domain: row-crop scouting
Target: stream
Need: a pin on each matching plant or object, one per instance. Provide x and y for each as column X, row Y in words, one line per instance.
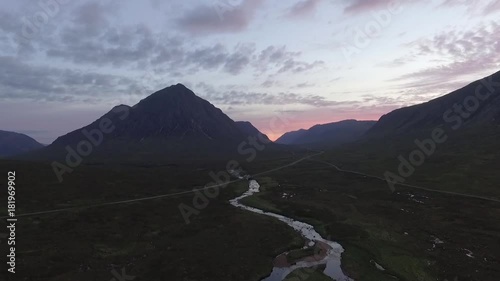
column 328, row 257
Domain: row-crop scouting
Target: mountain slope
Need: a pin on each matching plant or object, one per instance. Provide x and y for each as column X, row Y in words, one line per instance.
column 292, row 137
column 249, row 130
column 330, row 134
column 462, row 157
column 170, row 124
column 12, row 143
column 173, row 113
column 475, row 104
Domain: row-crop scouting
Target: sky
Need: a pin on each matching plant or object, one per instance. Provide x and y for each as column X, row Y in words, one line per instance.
column 63, row 64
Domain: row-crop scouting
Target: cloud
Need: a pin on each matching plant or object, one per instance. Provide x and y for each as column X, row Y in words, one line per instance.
column 92, row 16
column 304, row 85
column 360, row 6
column 44, row 83
column 235, row 97
column 268, row 83
column 284, row 61
column 217, row 56
column 116, row 47
column 492, row 7
column 239, row 59
column 454, row 58
column 299, row 66
column 475, row 7
column 8, row 22
column 303, row 8
column 138, row 47
column 221, row 17
column 460, row 52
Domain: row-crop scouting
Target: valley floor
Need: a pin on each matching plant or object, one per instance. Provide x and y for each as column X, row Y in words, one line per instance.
column 413, row 235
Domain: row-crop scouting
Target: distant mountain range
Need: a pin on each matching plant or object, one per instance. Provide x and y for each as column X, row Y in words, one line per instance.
column 12, row 143
column 328, row 134
column 175, row 123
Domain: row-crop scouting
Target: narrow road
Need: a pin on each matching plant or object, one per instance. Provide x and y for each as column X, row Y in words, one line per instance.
column 157, row 196
column 410, row 185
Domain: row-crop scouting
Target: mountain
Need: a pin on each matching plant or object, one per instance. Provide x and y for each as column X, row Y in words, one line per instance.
column 475, row 104
column 14, row 143
column 174, row 113
column 249, row 130
column 292, row 137
column 449, row 143
column 328, row 134
column 172, row 123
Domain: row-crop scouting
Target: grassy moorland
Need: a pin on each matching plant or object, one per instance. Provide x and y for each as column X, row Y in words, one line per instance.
column 149, row 239
column 467, row 162
column 414, row 235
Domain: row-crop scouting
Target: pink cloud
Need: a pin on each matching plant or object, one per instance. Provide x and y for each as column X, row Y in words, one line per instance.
column 359, row 6
column 220, row 17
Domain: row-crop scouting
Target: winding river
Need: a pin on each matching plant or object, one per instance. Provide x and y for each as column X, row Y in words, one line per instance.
column 329, row 254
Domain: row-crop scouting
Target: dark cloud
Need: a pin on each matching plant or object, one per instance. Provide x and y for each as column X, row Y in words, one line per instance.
column 41, row 83
column 268, row 83
column 239, row 59
column 92, row 16
column 91, row 37
column 276, row 55
column 299, row 66
column 283, row 61
column 138, row 47
column 8, row 22
column 112, row 46
column 235, row 97
column 304, row 85
column 217, row 56
column 358, row 6
column 303, row 8
column 220, row 17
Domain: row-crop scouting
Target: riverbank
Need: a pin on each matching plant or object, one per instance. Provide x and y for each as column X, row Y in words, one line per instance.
column 409, row 235
column 325, row 252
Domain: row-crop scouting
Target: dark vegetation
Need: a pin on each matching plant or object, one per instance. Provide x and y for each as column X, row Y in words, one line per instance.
column 148, row 238
column 398, row 230
column 163, row 146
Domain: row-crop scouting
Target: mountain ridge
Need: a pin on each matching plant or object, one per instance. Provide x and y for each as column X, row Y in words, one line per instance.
column 334, row 133
column 173, row 122
column 12, row 143
column 452, row 108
